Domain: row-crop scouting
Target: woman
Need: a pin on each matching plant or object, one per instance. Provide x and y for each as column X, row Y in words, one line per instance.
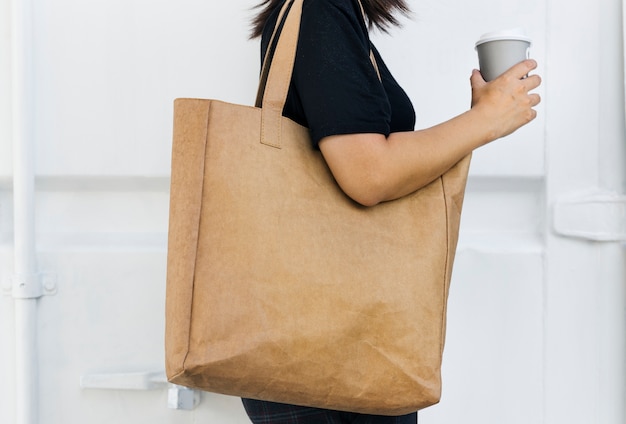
column 363, row 123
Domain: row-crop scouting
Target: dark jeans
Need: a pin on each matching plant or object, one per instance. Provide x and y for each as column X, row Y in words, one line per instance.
column 262, row 412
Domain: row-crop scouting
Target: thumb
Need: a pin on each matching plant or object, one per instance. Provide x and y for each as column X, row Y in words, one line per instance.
column 477, row 79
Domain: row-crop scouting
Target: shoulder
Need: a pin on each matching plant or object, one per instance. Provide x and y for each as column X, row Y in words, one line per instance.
column 332, row 9
column 333, row 19
column 346, row 5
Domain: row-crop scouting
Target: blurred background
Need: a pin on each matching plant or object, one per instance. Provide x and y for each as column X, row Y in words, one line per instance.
column 537, row 317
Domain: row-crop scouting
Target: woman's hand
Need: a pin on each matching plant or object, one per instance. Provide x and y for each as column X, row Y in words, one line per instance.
column 505, row 102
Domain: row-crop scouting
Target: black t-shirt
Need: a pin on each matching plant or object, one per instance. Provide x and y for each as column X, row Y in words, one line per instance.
column 334, row 87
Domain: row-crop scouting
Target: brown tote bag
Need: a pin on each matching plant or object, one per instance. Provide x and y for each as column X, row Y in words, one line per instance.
column 279, row 286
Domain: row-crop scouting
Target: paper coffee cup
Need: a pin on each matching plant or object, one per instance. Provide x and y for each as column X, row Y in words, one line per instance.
column 498, row 51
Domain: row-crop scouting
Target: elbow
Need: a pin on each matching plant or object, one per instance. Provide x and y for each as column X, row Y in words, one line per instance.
column 358, row 164
column 367, row 190
column 366, row 199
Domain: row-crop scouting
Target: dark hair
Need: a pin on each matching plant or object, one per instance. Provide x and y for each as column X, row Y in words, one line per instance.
column 380, row 13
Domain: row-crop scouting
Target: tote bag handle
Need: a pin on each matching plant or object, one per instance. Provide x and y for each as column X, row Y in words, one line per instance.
column 271, row 48
column 278, row 77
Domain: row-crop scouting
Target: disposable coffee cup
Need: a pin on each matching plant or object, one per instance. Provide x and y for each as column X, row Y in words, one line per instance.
column 498, row 51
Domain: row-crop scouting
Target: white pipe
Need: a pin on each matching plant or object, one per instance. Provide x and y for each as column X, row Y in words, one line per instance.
column 27, row 372
column 26, row 286
column 23, row 143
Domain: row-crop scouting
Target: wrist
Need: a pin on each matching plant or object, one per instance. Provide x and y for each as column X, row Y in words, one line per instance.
column 483, row 125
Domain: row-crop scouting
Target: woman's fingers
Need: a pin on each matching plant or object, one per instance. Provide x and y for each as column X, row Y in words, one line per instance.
column 522, row 69
column 535, row 99
column 532, row 82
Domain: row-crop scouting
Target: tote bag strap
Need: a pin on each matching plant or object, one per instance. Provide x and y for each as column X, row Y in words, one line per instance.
column 279, row 75
column 271, row 48
column 372, row 57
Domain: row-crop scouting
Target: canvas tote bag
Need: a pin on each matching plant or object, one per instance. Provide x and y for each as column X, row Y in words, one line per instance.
column 279, row 286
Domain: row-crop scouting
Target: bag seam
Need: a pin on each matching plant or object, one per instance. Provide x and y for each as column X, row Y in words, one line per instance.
column 184, row 362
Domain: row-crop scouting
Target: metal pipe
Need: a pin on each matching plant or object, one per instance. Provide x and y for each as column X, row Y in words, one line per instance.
column 26, row 286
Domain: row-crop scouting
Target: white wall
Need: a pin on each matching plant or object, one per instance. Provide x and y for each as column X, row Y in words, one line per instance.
column 536, row 326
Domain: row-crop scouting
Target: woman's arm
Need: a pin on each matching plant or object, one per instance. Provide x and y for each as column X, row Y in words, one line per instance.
column 372, row 168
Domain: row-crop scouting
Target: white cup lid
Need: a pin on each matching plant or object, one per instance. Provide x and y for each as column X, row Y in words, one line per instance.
column 509, row 34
